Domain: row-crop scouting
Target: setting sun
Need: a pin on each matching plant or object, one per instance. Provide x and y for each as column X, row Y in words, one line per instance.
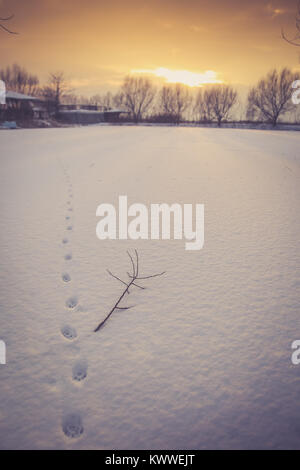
column 182, row 76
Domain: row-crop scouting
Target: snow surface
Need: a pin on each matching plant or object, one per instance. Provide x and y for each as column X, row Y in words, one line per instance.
column 203, row 360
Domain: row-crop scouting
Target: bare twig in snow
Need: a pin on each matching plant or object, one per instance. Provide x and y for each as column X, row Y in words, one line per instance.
column 134, row 276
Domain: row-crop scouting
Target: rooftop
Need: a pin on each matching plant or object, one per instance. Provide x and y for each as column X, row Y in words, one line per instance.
column 14, row 95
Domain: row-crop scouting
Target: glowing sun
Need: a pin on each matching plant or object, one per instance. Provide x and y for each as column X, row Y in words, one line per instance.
column 185, row 77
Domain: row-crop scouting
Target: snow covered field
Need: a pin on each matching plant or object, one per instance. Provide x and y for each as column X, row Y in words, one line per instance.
column 203, row 360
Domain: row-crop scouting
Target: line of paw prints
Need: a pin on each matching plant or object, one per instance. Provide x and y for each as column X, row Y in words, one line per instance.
column 72, row 425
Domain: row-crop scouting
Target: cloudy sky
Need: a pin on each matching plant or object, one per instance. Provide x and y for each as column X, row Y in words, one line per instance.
column 97, row 42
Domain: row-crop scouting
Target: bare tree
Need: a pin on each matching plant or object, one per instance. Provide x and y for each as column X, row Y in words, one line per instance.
column 48, row 96
column 96, row 100
column 136, row 95
column 296, row 39
column 215, row 103
column 56, row 89
column 118, row 99
column 221, row 99
column 7, row 30
column 203, row 109
column 174, row 100
column 271, row 97
column 17, row 78
column 82, row 100
column 106, row 100
column 71, row 98
column 133, row 278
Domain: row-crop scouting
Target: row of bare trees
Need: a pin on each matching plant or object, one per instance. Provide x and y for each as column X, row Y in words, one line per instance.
column 139, row 97
column 17, row 78
column 267, row 101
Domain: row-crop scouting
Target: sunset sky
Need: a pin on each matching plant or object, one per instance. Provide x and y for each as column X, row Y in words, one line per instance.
column 97, row 42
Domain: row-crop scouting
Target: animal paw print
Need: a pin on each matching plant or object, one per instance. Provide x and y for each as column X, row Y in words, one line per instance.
column 72, row 426
column 69, row 332
column 79, row 372
column 71, row 302
column 66, row 277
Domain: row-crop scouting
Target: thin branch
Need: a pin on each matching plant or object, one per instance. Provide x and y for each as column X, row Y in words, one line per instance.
column 137, row 263
column 123, row 282
column 7, row 30
column 7, row 18
column 291, row 41
column 124, row 308
column 140, row 287
column 133, row 277
column 148, row 277
column 297, row 37
column 133, row 267
column 134, row 284
column 116, row 277
column 111, row 312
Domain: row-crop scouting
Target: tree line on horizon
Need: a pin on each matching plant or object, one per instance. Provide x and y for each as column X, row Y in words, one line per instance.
column 268, row 100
